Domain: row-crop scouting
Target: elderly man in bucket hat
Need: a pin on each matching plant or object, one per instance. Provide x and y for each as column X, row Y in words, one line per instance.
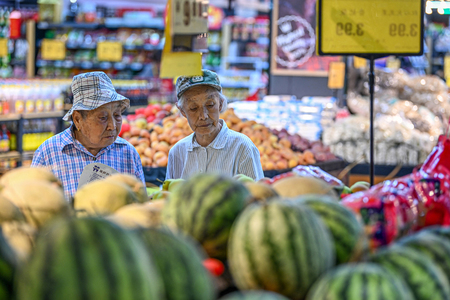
column 96, row 117
column 213, row 147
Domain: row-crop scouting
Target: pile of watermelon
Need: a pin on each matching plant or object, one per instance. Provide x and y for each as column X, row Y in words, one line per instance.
column 210, row 237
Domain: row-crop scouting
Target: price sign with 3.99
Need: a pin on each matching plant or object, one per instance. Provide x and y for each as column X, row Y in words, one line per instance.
column 370, row 27
column 189, row 17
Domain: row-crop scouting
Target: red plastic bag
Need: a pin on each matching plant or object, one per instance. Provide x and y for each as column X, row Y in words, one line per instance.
column 439, row 156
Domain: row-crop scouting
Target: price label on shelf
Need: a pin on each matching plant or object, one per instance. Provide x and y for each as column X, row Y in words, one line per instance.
column 336, row 75
column 53, row 50
column 370, row 27
column 359, row 62
column 3, row 47
column 189, row 17
column 447, row 69
column 109, row 51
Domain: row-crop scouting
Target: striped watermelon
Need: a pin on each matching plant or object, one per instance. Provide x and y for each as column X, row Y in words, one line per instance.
column 441, row 231
column 425, row 279
column 8, row 264
column 254, row 295
column 432, row 246
column 79, row 259
column 350, row 240
column 363, row 281
column 205, row 207
column 180, row 266
column 279, row 246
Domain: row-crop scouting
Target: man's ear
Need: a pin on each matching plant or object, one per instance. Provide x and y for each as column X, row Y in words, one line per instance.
column 76, row 117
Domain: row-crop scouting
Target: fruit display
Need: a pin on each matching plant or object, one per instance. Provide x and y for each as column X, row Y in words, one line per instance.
column 350, row 240
column 365, row 278
column 274, row 246
column 214, row 203
column 203, row 238
column 86, row 257
column 155, row 129
column 409, row 264
column 170, row 251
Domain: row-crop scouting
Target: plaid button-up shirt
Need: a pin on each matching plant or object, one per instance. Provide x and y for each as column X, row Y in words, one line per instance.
column 66, row 157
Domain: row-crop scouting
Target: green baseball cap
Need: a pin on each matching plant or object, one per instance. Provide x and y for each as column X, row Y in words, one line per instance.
column 186, row 82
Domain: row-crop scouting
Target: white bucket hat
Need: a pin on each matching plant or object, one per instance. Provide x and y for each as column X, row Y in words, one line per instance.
column 92, row 90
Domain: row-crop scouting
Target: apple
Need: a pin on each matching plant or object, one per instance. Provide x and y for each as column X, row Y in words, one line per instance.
column 131, row 118
column 141, row 123
column 167, row 107
column 148, row 111
column 140, row 111
column 151, row 118
column 157, row 106
column 161, row 114
column 125, row 128
column 140, row 116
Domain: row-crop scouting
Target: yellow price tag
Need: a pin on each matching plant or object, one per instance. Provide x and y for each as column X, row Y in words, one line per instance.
column 109, row 51
column 370, row 27
column 53, row 50
column 3, row 47
column 336, row 75
column 174, row 64
column 447, row 69
column 359, row 63
column 393, row 63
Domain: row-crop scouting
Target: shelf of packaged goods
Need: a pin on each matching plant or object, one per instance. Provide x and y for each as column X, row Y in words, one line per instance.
column 111, row 23
column 9, row 117
column 147, row 47
column 44, row 115
column 87, row 65
column 9, row 155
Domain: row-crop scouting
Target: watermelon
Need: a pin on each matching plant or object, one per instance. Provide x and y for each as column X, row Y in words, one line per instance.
column 425, row 279
column 441, row 231
column 350, row 240
column 205, row 207
column 8, row 263
column 279, row 246
column 180, row 264
column 432, row 246
column 363, row 281
column 79, row 259
column 254, row 295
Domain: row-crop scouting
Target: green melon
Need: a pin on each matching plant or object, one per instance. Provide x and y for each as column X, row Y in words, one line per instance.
column 205, row 207
column 363, row 281
column 253, row 295
column 8, row 263
column 279, row 246
column 180, row 265
column 440, row 231
column 434, row 247
column 79, row 259
column 425, row 279
column 350, row 240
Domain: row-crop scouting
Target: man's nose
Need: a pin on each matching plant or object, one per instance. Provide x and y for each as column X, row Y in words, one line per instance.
column 111, row 123
column 204, row 114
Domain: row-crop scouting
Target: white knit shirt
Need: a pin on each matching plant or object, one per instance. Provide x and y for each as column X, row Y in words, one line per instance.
column 230, row 153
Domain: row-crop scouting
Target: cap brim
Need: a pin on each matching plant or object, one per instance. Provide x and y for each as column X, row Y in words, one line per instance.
column 80, row 106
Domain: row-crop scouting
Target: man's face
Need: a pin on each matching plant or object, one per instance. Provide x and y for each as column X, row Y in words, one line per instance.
column 201, row 107
column 101, row 126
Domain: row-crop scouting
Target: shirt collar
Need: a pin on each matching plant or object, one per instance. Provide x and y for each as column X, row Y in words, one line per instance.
column 67, row 138
column 218, row 143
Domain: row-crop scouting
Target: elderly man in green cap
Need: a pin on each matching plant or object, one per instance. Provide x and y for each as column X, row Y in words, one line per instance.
column 213, row 147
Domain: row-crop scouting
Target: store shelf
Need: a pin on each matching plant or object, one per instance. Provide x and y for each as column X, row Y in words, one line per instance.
column 9, row 155
column 87, row 65
column 9, row 117
column 44, row 115
column 73, row 25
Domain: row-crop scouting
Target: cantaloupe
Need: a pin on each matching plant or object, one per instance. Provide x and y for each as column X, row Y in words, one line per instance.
column 102, row 197
column 26, row 174
column 139, row 215
column 9, row 212
column 260, row 191
column 298, row 185
column 39, row 201
column 20, row 236
column 135, row 184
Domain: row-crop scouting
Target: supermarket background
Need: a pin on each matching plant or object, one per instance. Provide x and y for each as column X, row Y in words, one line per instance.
column 267, row 67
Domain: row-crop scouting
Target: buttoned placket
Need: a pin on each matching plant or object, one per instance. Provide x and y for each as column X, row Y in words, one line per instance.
column 202, row 159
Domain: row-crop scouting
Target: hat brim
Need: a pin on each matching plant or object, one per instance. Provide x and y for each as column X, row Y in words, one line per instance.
column 80, row 106
column 216, row 86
